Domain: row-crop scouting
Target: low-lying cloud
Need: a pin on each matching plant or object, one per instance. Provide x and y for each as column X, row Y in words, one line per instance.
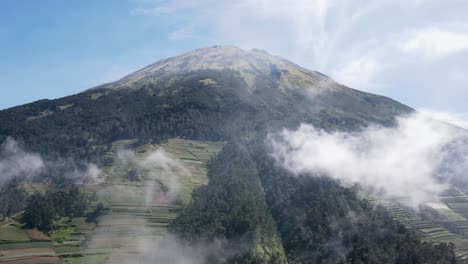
column 171, row 249
column 157, row 166
column 16, row 162
column 90, row 173
column 404, row 162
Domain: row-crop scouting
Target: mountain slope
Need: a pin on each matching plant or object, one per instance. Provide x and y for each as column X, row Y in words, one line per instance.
column 249, row 64
column 212, row 93
column 224, row 95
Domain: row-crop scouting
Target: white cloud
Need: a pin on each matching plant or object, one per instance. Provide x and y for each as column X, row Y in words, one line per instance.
column 435, row 43
column 184, row 33
column 90, row 173
column 159, row 166
column 399, row 163
column 360, row 73
column 15, row 162
column 165, row 7
column 457, row 119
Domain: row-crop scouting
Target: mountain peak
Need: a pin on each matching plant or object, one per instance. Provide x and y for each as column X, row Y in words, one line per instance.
column 249, row 64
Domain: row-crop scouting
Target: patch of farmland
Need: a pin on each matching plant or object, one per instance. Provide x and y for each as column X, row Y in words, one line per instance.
column 33, row 260
column 12, row 233
column 442, row 222
column 28, row 252
column 36, row 235
column 143, row 201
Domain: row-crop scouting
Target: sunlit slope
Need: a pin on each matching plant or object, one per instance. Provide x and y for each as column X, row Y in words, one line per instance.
column 249, row 64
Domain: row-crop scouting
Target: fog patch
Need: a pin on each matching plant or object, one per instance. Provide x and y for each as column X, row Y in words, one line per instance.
column 457, row 119
column 402, row 163
column 172, row 249
column 16, row 162
column 88, row 173
column 156, row 167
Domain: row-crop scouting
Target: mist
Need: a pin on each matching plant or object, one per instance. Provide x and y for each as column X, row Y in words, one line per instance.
column 16, row 162
column 140, row 242
column 157, row 166
column 405, row 163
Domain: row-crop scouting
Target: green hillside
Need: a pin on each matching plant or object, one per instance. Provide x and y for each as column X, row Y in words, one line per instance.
column 182, row 150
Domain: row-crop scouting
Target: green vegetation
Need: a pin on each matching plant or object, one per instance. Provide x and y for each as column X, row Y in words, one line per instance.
column 42, row 210
column 12, row 234
column 62, row 234
column 232, row 206
column 12, row 198
column 322, row 222
column 99, row 210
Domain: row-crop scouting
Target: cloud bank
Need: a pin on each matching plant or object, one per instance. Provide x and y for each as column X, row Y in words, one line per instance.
column 402, row 163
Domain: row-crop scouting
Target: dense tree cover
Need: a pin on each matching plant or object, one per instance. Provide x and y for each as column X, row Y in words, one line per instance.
column 12, row 198
column 322, row 222
column 40, row 212
column 42, row 209
column 318, row 220
column 232, row 207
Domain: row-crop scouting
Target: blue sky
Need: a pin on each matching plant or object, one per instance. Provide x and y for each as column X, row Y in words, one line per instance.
column 415, row 51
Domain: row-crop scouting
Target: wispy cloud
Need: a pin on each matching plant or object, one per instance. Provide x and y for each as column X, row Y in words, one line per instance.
column 435, row 43
column 457, row 119
column 361, row 73
column 187, row 32
column 15, row 162
column 166, row 7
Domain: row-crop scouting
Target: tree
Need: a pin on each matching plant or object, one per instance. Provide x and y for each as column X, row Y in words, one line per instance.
column 98, row 211
column 39, row 213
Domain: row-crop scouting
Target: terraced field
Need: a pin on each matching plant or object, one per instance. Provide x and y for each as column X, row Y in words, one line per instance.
column 141, row 210
column 444, row 222
column 144, row 189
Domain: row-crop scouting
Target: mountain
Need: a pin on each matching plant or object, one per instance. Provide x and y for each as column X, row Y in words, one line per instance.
column 249, row 65
column 211, row 110
column 213, row 93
